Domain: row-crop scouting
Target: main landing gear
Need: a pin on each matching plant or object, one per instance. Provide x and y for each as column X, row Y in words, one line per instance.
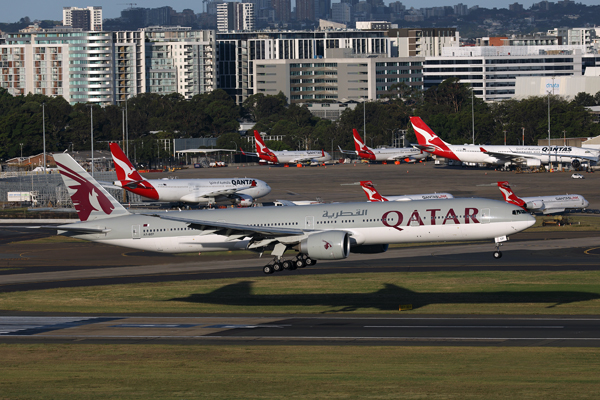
column 278, row 265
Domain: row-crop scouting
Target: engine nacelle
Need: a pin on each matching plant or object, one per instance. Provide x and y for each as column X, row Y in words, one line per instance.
column 331, row 245
column 244, row 200
column 370, row 249
column 575, row 163
column 535, row 205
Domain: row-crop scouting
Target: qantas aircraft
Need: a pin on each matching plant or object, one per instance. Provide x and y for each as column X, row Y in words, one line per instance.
column 543, row 204
column 408, row 154
column 286, row 157
column 373, row 194
column 241, row 191
column 317, row 232
column 500, row 155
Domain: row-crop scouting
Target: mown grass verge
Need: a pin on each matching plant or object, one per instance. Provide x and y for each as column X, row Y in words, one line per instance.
column 85, row 371
column 548, row 292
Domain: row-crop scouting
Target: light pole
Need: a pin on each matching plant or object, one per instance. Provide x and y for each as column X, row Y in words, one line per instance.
column 92, row 134
column 523, row 135
column 504, row 137
column 44, row 132
column 549, row 113
column 21, row 144
column 235, row 148
column 473, row 114
column 126, row 127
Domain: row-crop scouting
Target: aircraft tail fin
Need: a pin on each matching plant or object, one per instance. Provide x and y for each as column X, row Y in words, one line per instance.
column 371, row 192
column 509, row 196
column 125, row 170
column 425, row 135
column 359, row 145
column 262, row 150
column 90, row 199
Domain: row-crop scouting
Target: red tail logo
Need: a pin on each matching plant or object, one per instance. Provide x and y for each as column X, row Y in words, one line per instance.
column 326, row 245
column 371, row 192
column 361, row 150
column 427, row 137
column 264, row 153
column 87, row 198
column 125, row 170
column 509, row 196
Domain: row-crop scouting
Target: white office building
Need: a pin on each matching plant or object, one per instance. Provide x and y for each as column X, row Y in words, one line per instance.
column 87, row 19
column 235, row 17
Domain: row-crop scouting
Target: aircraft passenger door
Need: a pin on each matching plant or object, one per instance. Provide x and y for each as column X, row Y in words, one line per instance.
column 309, row 223
column 135, row 231
column 485, row 216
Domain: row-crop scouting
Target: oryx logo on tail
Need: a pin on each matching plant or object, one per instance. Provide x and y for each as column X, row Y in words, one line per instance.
column 85, row 196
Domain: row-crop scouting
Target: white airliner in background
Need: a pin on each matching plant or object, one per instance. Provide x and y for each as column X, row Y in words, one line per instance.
column 500, row 155
column 373, row 194
column 287, row 157
column 317, row 232
column 543, row 204
column 240, row 191
column 407, row 154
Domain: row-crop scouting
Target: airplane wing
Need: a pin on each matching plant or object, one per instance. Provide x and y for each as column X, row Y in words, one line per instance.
column 67, row 228
column 248, row 153
column 109, row 185
column 261, row 236
column 402, row 156
column 347, row 151
column 196, row 195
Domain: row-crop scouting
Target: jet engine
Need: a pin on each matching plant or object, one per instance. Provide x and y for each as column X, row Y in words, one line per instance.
column 575, row 163
column 244, row 200
column 535, row 205
column 330, row 245
column 370, row 249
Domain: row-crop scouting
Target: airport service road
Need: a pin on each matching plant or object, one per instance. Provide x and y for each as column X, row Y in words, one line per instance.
column 445, row 330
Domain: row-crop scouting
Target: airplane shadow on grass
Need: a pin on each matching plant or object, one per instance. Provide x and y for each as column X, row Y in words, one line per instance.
column 386, row 299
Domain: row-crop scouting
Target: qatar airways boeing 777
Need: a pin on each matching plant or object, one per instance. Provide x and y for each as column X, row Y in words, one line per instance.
column 317, row 232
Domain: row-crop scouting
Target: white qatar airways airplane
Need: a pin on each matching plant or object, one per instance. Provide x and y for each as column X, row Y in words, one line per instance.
column 407, row 154
column 240, row 191
column 373, row 194
column 285, row 156
column 543, row 204
column 317, row 232
column 498, row 154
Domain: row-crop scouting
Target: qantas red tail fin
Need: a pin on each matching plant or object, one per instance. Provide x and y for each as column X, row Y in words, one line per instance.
column 358, row 143
column 262, row 150
column 125, row 170
column 426, row 136
column 509, row 196
column 371, row 192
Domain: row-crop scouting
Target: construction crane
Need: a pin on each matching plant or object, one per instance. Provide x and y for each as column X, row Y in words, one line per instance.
column 127, row 4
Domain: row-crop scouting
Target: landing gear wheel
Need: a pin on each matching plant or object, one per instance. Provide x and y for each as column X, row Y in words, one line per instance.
column 292, row 266
column 277, row 267
column 268, row 269
column 299, row 263
column 497, row 254
column 287, row 264
column 310, row 261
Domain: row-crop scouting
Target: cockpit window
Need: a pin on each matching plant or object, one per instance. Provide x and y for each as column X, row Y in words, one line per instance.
column 517, row 212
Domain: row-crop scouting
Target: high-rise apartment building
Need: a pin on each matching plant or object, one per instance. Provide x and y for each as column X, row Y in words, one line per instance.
column 87, row 19
column 305, row 10
column 235, row 17
column 283, row 10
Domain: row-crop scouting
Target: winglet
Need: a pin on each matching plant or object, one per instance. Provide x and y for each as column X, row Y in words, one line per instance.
column 485, row 151
column 242, row 150
column 371, row 192
column 509, row 196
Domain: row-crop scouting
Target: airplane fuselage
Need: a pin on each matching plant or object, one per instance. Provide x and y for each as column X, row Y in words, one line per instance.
column 555, row 204
column 366, row 223
column 286, row 157
column 391, row 154
column 199, row 190
column 545, row 154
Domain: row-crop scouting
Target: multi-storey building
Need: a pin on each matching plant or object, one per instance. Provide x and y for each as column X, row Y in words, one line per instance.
column 574, row 36
column 129, row 55
column 492, row 71
column 305, row 10
column 62, row 62
column 283, row 10
column 238, row 51
column 341, row 12
column 87, row 19
column 235, row 17
column 426, row 42
column 337, row 79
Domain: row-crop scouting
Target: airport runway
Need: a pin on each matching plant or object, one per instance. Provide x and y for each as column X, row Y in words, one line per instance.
column 446, row 330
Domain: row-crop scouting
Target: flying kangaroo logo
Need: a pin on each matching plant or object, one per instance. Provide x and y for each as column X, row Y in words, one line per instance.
column 327, row 245
column 129, row 171
column 372, row 193
column 509, row 195
column 86, row 198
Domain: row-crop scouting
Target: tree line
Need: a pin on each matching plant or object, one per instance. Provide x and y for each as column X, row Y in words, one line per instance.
column 446, row 108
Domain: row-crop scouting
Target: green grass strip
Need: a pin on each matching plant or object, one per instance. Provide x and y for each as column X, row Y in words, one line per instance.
column 523, row 292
